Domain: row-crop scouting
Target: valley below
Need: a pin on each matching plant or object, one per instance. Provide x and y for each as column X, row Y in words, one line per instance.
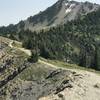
column 44, row 80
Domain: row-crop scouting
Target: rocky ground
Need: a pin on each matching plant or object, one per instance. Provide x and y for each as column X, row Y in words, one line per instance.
column 86, row 87
column 21, row 80
column 53, row 83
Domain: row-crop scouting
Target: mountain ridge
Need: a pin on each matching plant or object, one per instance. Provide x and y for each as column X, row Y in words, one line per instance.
column 59, row 13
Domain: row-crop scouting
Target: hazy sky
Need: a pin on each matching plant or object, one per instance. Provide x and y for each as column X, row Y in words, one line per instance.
column 12, row 11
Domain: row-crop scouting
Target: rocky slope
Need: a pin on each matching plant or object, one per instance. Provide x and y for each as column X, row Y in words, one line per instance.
column 61, row 12
column 86, row 87
column 12, row 62
column 21, row 80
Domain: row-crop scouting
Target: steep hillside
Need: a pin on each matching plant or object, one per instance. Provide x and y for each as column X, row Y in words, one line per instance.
column 61, row 12
column 75, row 42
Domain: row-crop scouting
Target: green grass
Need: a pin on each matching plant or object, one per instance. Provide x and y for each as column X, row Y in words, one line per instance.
column 34, row 72
column 60, row 64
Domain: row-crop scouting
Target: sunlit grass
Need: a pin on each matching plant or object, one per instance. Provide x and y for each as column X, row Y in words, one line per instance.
column 61, row 64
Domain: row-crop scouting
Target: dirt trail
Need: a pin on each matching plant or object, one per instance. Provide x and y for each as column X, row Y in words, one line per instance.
column 84, row 89
column 28, row 52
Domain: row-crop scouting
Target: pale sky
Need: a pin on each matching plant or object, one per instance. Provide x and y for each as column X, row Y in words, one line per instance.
column 12, row 11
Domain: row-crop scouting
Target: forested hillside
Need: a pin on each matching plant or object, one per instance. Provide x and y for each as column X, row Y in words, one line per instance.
column 75, row 42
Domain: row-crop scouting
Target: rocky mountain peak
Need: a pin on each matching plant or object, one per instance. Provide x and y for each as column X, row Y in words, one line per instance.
column 59, row 13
